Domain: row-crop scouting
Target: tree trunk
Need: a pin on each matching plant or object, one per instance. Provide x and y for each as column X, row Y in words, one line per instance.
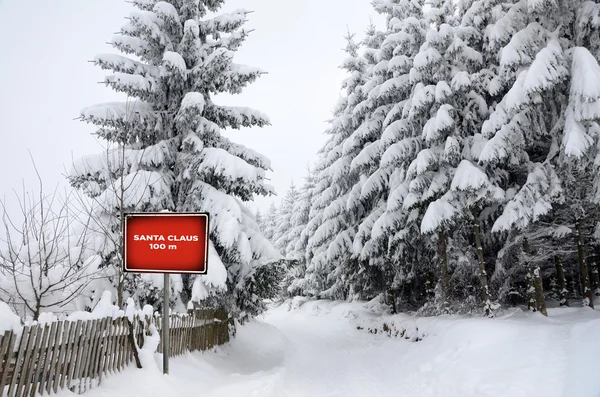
column 561, row 281
column 38, row 308
column 429, row 286
column 391, row 300
column 485, row 293
column 536, row 286
column 120, row 287
column 539, row 291
column 186, row 293
column 595, row 279
column 407, row 291
column 575, row 286
column 588, row 296
column 444, row 274
column 132, row 344
column 530, row 295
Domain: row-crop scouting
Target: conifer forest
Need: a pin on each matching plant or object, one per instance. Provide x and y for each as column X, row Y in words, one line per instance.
column 444, row 239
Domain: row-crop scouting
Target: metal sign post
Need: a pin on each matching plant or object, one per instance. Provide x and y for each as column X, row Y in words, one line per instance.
column 165, row 326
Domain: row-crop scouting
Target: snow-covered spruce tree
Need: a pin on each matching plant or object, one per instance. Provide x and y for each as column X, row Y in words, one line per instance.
column 426, row 175
column 472, row 193
column 313, row 278
column 368, row 269
column 451, row 76
column 450, row 100
column 184, row 58
column 547, row 121
column 270, row 222
column 561, row 281
column 409, row 33
column 282, row 236
column 445, row 178
column 293, row 284
column 259, row 218
column 487, row 20
column 386, row 88
column 332, row 240
column 388, row 53
column 298, row 239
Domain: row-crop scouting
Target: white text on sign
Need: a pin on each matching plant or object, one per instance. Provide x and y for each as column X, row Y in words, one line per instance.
column 160, row 237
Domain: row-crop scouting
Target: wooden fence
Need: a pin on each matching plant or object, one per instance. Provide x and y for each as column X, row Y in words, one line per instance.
column 207, row 329
column 77, row 355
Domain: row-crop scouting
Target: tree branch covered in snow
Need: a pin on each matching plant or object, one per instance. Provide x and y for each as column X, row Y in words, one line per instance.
column 45, row 259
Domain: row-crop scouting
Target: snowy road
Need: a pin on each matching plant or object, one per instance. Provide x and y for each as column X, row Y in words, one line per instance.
column 324, row 359
column 302, row 354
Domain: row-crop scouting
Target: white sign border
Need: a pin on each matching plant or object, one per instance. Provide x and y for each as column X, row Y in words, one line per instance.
column 165, row 213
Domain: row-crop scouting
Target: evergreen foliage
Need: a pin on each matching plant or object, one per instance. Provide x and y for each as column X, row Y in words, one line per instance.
column 166, row 150
column 461, row 169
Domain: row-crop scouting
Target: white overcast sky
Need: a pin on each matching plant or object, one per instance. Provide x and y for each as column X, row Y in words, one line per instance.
column 46, row 79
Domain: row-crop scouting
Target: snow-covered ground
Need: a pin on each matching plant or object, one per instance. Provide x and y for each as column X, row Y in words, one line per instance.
column 316, row 350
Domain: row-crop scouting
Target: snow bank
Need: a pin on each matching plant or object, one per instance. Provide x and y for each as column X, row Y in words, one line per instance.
column 9, row 321
column 146, row 353
column 583, row 348
column 104, row 308
column 518, row 354
column 251, row 361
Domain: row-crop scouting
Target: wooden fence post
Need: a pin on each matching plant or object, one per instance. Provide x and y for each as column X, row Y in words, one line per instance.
column 131, row 341
column 6, row 355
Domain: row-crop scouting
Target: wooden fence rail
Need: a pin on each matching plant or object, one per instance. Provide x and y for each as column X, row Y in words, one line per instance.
column 78, row 354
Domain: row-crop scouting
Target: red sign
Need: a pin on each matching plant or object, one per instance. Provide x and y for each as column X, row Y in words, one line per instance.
column 166, row 242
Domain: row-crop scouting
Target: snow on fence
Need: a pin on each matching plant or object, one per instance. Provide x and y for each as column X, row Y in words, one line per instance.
column 45, row 358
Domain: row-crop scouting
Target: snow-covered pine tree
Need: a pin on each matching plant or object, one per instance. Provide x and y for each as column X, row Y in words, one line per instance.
column 449, row 102
column 400, row 143
column 283, row 228
column 259, row 218
column 314, row 277
column 426, row 175
column 484, row 20
column 387, row 52
column 461, row 104
column 270, row 222
column 283, row 235
column 300, row 218
column 184, row 57
column 547, row 121
column 332, row 239
column 298, row 241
